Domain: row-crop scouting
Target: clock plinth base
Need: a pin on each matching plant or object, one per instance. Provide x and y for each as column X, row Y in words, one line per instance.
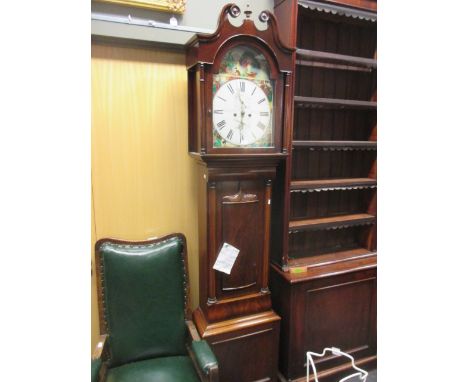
column 246, row 347
column 242, row 306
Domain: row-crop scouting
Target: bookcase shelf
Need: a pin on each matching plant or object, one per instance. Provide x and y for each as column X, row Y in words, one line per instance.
column 336, row 269
column 335, row 222
column 311, row 102
column 350, row 62
column 330, row 258
column 332, row 184
column 337, row 145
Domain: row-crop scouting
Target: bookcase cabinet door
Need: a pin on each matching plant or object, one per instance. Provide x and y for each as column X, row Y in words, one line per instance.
column 335, row 310
column 340, row 314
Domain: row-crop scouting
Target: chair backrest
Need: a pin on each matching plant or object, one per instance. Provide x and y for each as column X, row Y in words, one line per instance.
column 143, row 297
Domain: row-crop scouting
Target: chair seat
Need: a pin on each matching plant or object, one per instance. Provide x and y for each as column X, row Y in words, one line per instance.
column 164, row 369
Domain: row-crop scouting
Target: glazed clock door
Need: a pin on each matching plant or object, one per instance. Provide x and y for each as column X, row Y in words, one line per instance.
column 243, row 101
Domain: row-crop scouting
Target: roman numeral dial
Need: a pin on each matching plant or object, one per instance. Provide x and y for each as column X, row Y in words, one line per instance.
column 242, row 114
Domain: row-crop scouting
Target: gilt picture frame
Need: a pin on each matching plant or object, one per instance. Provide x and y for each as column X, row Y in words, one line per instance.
column 172, row 6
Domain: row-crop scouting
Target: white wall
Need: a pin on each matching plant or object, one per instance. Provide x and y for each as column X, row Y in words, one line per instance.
column 198, row 13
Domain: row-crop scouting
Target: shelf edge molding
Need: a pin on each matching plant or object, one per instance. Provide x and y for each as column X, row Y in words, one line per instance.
column 334, row 103
column 321, row 56
column 332, row 184
column 338, row 10
column 336, row 145
column 328, row 223
column 330, row 258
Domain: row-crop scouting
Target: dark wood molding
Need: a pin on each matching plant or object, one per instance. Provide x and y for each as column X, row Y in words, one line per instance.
column 240, row 338
column 226, row 31
column 207, row 329
column 355, row 9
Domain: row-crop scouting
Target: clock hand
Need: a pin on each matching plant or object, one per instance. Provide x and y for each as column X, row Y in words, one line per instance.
column 243, row 107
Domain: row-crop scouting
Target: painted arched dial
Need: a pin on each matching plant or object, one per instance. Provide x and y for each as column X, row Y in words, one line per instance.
column 241, row 112
column 243, row 100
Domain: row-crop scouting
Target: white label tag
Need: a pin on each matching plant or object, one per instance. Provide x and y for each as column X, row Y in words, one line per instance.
column 226, row 258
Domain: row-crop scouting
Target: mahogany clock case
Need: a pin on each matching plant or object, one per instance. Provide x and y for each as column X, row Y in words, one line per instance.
column 240, row 202
column 236, row 200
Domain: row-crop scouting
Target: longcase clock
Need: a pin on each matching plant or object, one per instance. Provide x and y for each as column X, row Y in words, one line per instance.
column 239, row 82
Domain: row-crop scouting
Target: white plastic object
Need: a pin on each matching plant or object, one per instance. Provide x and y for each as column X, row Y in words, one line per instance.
column 173, row 21
column 362, row 374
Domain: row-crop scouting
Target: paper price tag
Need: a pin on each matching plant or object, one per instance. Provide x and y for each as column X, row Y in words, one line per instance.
column 226, row 258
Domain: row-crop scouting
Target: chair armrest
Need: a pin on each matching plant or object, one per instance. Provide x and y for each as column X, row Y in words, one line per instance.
column 194, row 336
column 100, row 348
column 204, row 356
column 98, row 367
column 207, row 364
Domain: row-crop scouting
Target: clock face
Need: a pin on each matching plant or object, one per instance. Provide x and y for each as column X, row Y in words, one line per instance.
column 241, row 112
column 243, row 108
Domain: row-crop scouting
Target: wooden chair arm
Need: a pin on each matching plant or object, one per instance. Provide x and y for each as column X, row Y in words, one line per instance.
column 212, row 374
column 100, row 347
column 194, row 336
column 100, row 353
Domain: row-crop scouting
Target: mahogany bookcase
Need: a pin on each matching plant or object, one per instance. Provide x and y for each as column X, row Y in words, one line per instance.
column 323, row 276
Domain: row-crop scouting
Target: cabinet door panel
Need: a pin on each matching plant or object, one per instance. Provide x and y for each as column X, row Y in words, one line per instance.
column 341, row 316
column 240, row 226
column 241, row 212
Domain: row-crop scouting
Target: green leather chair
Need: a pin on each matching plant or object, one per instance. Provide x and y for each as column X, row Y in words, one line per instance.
column 144, row 313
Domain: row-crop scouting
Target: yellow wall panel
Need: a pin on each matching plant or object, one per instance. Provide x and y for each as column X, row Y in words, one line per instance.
column 94, row 303
column 143, row 179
